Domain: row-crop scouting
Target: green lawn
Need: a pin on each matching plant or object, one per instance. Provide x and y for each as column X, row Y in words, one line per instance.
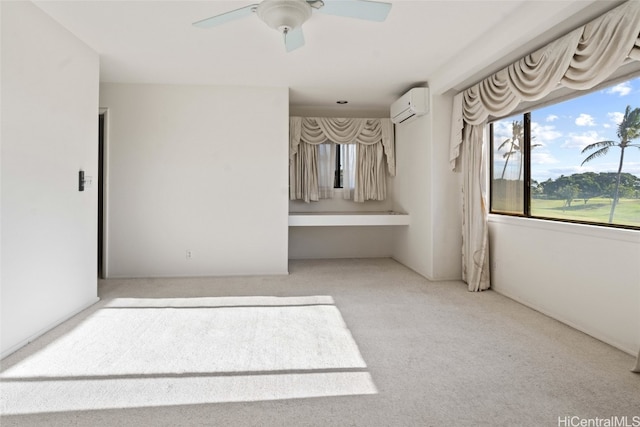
column 595, row 210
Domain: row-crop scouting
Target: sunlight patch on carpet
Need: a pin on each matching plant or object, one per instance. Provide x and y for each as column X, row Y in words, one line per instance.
column 156, row 352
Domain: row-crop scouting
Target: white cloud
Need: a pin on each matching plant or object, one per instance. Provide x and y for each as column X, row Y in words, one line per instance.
column 631, row 167
column 599, row 167
column 585, row 120
column 615, row 117
column 602, row 166
column 544, row 134
column 554, row 173
column 502, row 130
column 621, row 89
column 551, row 118
column 581, row 140
column 542, row 158
column 544, row 167
column 610, row 163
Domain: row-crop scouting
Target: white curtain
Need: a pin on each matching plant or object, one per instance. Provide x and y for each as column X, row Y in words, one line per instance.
column 580, row 60
column 303, row 167
column 371, row 163
column 326, row 170
column 371, row 177
column 475, row 230
column 348, row 157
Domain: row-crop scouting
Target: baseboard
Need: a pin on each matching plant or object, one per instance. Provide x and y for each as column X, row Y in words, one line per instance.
column 431, row 278
column 47, row 328
column 549, row 313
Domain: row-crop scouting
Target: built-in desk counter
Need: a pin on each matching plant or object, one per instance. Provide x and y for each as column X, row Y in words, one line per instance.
column 333, row 219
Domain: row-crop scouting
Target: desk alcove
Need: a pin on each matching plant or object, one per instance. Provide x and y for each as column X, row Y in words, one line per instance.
column 358, row 234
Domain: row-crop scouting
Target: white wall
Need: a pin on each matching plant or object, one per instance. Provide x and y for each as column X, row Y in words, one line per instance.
column 199, row 168
column 446, row 193
column 426, row 189
column 341, row 242
column 49, row 132
column 412, row 245
column 585, row 276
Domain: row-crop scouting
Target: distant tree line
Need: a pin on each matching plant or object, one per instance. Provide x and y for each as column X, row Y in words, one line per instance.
column 586, row 186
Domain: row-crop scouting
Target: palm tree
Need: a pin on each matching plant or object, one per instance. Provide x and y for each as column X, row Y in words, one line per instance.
column 515, row 142
column 515, row 146
column 628, row 130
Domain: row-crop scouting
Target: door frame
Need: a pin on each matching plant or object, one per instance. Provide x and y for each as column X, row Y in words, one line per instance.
column 103, row 183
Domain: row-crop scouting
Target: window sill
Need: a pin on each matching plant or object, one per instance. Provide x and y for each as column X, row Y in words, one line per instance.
column 622, row 234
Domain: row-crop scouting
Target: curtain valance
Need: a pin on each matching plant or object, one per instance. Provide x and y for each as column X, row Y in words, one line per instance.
column 580, row 60
column 318, row 130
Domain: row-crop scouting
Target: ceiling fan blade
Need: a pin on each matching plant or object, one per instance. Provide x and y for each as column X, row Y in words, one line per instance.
column 360, row 9
column 293, row 39
column 226, row 17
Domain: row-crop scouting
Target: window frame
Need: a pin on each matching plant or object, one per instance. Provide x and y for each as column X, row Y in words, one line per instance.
column 526, row 158
column 339, row 168
column 337, row 179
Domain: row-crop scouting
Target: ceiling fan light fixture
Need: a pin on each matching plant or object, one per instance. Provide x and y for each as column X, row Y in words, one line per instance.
column 284, row 15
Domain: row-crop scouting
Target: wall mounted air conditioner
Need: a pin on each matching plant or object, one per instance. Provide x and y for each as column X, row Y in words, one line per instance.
column 412, row 104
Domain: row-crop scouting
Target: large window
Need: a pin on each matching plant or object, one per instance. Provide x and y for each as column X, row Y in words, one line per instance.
column 578, row 160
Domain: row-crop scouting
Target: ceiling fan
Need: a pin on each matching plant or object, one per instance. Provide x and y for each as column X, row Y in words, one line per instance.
column 287, row 16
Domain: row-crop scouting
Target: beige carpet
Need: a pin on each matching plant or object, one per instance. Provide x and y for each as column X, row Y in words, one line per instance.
column 436, row 354
column 141, row 352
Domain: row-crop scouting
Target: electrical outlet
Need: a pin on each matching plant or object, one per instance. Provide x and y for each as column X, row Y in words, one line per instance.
column 189, row 254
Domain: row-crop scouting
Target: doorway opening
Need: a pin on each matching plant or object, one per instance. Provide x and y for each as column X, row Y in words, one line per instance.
column 101, row 122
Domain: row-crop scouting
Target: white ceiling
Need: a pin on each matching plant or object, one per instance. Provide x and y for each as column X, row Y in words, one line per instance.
column 449, row 44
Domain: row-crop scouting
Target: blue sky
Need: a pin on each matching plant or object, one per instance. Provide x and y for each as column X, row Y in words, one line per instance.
column 564, row 129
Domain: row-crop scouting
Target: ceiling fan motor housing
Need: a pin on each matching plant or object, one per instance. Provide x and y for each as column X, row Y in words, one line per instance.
column 284, row 15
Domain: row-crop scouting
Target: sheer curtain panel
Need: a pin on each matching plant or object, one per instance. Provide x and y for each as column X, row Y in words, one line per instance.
column 326, row 170
column 348, row 156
